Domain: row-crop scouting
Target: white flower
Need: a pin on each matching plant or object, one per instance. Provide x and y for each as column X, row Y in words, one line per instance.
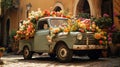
column 31, row 17
column 24, row 22
column 20, row 24
column 22, row 27
column 28, row 21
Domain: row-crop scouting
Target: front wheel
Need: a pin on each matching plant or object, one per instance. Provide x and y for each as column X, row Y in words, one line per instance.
column 64, row 54
column 27, row 54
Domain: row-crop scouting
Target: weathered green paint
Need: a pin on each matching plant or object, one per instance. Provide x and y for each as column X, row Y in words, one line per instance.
column 40, row 40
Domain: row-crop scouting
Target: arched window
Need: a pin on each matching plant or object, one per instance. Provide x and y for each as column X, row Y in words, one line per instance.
column 107, row 9
column 81, row 6
column 57, row 8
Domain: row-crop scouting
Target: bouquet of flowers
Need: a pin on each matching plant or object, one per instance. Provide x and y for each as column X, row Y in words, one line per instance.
column 27, row 27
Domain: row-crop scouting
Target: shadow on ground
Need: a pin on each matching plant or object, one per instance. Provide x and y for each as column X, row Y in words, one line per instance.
column 78, row 60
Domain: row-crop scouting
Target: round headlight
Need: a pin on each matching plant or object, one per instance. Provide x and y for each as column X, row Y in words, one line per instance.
column 79, row 36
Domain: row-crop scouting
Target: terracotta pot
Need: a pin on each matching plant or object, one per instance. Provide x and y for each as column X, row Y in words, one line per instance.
column 1, row 54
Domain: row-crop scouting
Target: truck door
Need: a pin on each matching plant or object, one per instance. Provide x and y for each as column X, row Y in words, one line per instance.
column 40, row 40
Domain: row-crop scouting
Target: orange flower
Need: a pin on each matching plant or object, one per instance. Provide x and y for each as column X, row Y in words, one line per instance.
column 55, row 30
column 78, row 20
column 50, row 28
column 66, row 30
column 97, row 36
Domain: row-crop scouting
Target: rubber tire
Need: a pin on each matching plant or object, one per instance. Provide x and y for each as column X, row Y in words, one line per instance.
column 27, row 54
column 94, row 55
column 59, row 51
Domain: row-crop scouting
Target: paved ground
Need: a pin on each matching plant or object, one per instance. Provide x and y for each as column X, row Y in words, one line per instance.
column 45, row 61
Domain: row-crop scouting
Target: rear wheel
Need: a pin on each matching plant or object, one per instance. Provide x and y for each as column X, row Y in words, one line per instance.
column 95, row 54
column 27, row 54
column 64, row 54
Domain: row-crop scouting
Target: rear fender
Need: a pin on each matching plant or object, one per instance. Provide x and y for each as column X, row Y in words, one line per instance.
column 21, row 46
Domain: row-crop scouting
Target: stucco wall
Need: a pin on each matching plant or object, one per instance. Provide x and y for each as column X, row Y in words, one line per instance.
column 18, row 14
column 116, row 10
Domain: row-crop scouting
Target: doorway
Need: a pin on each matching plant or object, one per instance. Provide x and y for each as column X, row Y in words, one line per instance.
column 82, row 9
column 7, row 32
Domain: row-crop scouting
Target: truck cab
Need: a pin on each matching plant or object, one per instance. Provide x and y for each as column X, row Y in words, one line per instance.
column 62, row 45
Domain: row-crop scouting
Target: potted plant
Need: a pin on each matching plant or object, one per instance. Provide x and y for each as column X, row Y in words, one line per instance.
column 2, row 49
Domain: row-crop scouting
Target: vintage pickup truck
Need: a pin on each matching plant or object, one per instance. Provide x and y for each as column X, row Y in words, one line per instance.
column 62, row 46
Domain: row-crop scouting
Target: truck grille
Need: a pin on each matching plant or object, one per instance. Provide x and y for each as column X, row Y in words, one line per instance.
column 86, row 36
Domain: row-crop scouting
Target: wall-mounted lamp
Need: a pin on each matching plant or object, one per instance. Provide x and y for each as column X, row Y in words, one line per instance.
column 28, row 6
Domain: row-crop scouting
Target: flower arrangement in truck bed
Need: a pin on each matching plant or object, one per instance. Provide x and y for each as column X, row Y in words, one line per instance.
column 27, row 27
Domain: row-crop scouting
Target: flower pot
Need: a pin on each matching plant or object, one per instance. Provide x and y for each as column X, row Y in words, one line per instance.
column 1, row 54
column 1, row 61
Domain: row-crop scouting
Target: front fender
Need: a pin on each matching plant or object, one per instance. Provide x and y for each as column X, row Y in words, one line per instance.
column 67, row 39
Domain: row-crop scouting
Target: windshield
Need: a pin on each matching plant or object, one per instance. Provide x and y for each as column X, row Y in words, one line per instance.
column 58, row 22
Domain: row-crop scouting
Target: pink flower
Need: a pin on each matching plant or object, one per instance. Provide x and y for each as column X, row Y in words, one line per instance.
column 109, row 39
column 105, row 15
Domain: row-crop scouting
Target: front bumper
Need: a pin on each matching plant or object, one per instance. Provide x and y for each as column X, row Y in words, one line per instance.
column 88, row 47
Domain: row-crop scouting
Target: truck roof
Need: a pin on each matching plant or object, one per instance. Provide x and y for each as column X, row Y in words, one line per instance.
column 52, row 18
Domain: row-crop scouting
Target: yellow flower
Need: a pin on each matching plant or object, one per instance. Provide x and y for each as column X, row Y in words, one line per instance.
column 97, row 27
column 93, row 26
column 99, row 30
column 2, row 49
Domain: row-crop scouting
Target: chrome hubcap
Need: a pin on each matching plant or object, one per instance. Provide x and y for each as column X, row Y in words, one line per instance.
column 26, row 53
column 63, row 52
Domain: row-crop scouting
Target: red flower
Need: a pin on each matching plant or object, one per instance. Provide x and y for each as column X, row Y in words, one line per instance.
column 100, row 42
column 81, row 30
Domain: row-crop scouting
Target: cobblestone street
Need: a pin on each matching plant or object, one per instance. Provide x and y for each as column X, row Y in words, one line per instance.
column 45, row 61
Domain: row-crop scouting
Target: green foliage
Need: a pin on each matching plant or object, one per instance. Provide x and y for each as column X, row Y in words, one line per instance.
column 83, row 15
column 116, row 37
column 7, row 4
column 12, row 34
column 103, row 22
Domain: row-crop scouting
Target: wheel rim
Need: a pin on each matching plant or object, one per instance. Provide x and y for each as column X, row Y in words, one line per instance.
column 26, row 52
column 63, row 52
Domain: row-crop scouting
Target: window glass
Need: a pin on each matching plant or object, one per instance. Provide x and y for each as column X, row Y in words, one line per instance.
column 43, row 25
column 58, row 22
